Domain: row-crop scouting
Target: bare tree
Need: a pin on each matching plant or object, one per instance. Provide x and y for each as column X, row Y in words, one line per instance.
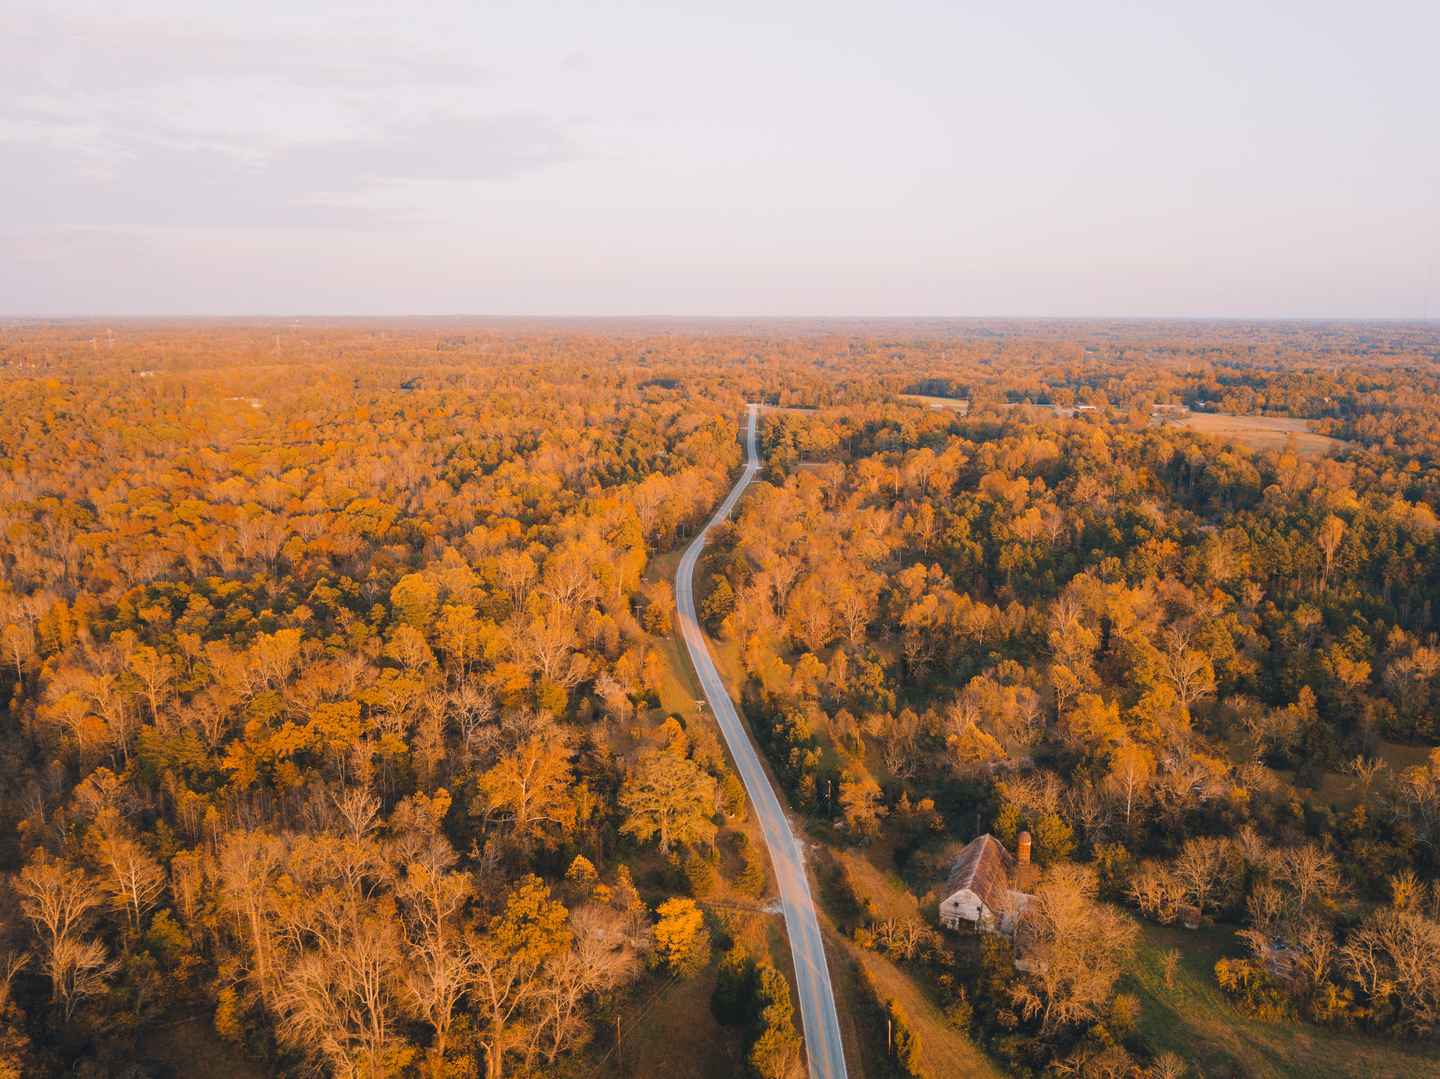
column 60, row 901
column 546, row 642
column 1392, row 957
column 1186, row 669
column 1203, row 867
column 359, row 811
column 601, row 957
column 339, row 994
column 156, row 671
column 473, row 709
column 1168, row 1066
column 18, row 639
column 902, row 938
column 78, row 968
column 1310, row 874
column 249, row 862
column 1072, row 948
column 1157, row 892
column 855, row 602
column 438, row 972
column 1366, row 770
column 516, row 571
column 898, row 735
column 211, row 713
column 133, row 878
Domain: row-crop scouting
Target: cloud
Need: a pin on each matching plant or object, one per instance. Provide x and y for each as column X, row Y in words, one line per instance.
column 438, row 147
column 212, row 119
column 148, row 178
column 62, row 51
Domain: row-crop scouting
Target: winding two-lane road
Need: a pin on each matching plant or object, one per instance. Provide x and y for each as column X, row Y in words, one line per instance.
column 823, row 1046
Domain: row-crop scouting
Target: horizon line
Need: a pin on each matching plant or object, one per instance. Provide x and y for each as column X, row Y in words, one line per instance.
column 477, row 317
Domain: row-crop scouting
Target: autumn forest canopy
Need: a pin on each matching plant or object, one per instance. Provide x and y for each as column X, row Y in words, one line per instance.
column 344, row 728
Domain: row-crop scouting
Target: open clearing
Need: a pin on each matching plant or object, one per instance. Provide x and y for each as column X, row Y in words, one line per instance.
column 1254, row 432
column 943, row 1049
column 1260, row 432
column 795, row 410
column 1342, row 791
column 956, row 404
column 1195, row 1020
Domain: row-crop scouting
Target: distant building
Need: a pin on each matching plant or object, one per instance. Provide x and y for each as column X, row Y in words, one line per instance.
column 983, row 886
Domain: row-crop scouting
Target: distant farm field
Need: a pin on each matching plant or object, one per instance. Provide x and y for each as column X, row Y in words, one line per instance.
column 1261, row 432
column 958, row 404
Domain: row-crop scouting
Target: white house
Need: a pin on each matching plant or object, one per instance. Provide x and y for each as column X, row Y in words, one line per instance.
column 981, row 888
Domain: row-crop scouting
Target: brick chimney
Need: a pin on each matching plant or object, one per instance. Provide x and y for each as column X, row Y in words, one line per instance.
column 1022, row 850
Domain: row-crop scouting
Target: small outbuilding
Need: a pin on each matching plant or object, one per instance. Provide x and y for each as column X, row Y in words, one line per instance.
column 983, row 886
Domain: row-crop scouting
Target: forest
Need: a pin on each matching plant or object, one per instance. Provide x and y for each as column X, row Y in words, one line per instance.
column 346, row 731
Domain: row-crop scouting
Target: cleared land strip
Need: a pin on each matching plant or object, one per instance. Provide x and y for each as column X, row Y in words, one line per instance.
column 823, row 1047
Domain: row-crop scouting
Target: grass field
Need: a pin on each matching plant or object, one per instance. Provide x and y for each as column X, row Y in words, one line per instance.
column 944, row 1051
column 1261, row 432
column 883, row 887
column 1194, row 1020
column 802, row 410
column 670, row 1030
column 1341, row 790
column 955, row 404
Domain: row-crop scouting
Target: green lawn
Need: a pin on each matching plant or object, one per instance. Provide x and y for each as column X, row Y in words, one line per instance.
column 1195, row 1020
column 944, row 1051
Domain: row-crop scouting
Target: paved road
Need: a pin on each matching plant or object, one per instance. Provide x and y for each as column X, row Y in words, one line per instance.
column 823, row 1046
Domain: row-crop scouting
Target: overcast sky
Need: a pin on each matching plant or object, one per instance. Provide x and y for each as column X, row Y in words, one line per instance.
column 831, row 158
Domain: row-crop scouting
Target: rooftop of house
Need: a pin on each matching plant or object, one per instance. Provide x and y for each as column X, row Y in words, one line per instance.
column 986, row 868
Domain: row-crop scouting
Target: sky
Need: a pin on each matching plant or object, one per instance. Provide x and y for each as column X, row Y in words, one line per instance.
column 1211, row 159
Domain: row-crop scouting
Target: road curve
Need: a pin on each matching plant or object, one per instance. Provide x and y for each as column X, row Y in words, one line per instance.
column 823, row 1046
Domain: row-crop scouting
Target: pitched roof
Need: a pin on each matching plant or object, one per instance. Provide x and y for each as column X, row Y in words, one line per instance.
column 985, row 867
